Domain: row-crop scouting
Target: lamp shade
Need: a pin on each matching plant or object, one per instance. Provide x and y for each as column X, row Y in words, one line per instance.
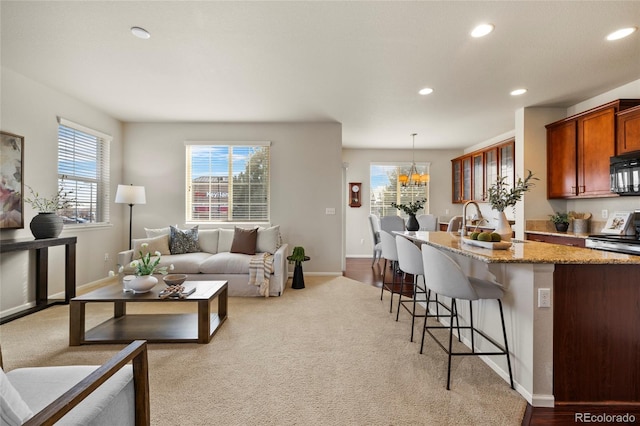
column 129, row 194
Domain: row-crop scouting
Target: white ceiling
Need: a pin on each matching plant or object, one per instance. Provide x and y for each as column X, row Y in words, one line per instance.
column 357, row 63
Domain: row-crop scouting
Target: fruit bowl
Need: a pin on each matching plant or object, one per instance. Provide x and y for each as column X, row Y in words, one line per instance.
column 174, row 279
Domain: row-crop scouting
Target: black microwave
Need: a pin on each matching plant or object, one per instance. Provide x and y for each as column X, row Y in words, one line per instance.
column 625, row 174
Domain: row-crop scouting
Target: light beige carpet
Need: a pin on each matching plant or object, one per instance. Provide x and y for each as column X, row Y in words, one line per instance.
column 330, row 354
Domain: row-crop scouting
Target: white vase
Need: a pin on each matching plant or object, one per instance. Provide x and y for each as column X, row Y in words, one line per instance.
column 504, row 227
column 142, row 283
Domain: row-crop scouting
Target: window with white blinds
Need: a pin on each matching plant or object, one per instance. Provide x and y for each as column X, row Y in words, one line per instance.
column 83, row 172
column 386, row 188
column 227, row 182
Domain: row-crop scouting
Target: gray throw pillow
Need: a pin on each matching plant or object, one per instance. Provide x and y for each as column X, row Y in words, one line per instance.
column 184, row 240
column 244, row 240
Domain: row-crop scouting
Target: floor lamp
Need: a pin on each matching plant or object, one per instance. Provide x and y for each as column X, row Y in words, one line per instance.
column 129, row 194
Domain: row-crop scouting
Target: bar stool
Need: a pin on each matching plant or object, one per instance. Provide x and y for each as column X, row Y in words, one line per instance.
column 389, row 252
column 447, row 279
column 410, row 262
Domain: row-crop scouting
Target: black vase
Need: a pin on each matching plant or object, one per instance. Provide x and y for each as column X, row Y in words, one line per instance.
column 562, row 227
column 46, row 225
column 412, row 223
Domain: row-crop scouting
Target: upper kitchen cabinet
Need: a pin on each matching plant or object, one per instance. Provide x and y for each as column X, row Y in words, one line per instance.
column 473, row 173
column 578, row 152
column 628, row 130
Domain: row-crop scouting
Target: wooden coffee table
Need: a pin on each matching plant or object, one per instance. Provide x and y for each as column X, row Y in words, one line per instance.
column 157, row 327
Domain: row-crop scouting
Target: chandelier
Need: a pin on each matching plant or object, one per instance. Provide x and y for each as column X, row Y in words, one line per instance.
column 413, row 178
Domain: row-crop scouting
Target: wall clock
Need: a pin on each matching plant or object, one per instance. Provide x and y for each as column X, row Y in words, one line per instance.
column 355, row 189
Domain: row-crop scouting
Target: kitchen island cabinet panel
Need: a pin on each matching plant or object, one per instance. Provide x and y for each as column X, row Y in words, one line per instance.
column 596, row 333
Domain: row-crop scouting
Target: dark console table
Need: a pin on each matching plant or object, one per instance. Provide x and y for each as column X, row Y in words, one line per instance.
column 41, row 248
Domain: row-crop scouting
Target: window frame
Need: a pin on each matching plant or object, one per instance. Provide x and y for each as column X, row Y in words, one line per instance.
column 403, row 194
column 102, row 179
column 224, row 179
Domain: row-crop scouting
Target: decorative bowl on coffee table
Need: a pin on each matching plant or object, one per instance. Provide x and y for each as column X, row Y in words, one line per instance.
column 174, row 279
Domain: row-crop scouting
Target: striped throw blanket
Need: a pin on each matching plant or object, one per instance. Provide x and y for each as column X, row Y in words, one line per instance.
column 260, row 269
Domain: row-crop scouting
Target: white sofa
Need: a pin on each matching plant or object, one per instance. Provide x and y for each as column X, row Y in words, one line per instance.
column 214, row 260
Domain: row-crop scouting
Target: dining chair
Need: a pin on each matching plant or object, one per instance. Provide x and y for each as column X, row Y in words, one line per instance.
column 454, row 224
column 392, row 223
column 446, row 278
column 428, row 222
column 389, row 253
column 374, row 225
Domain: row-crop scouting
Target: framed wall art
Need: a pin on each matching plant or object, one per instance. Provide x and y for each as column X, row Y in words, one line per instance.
column 11, row 182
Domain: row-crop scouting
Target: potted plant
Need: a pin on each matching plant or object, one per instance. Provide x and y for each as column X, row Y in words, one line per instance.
column 501, row 195
column 47, row 224
column 560, row 220
column 297, row 257
column 411, row 209
column 144, row 268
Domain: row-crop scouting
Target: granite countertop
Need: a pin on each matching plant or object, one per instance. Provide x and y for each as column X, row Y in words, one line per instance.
column 522, row 251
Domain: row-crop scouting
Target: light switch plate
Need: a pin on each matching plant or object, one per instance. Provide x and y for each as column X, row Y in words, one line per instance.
column 330, row 210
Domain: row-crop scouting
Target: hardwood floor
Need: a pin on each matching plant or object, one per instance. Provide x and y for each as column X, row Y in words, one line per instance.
column 360, row 269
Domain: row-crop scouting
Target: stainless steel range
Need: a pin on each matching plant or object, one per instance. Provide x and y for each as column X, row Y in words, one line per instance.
column 629, row 244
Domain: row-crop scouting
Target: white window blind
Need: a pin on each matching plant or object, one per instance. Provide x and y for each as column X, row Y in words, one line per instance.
column 385, row 188
column 83, row 170
column 227, row 182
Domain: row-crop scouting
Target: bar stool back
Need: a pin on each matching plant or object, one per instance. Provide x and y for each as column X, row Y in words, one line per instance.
column 447, row 279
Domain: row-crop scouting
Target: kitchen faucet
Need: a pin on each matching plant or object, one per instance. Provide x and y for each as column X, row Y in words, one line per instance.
column 463, row 231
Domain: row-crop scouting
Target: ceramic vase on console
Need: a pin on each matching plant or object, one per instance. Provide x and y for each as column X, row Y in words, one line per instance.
column 412, row 223
column 46, row 225
column 142, row 283
column 504, row 227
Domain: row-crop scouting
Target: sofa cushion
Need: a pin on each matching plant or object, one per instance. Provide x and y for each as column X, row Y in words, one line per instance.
column 268, row 240
column 160, row 244
column 244, row 240
column 186, row 263
column 156, row 232
column 13, row 410
column 208, row 240
column 226, row 263
column 183, row 240
column 225, row 239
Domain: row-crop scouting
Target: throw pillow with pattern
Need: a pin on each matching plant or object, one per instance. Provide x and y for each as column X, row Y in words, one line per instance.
column 183, row 240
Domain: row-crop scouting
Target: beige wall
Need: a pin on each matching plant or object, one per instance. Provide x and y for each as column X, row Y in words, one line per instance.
column 306, row 172
column 30, row 109
column 306, row 179
column 357, row 231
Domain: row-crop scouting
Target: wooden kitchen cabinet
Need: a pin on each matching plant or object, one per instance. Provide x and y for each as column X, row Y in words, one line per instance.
column 578, row 152
column 556, row 239
column 474, row 173
column 478, row 176
column 628, row 136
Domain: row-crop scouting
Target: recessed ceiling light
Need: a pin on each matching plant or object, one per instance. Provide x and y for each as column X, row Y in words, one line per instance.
column 482, row 30
column 426, row 91
column 518, row 92
column 140, row 32
column 622, row 33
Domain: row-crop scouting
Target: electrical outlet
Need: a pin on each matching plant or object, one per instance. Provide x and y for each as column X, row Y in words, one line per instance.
column 605, row 214
column 544, row 298
column 362, row 241
column 446, row 211
column 106, row 257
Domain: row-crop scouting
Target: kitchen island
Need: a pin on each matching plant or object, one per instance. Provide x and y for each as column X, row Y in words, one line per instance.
column 585, row 347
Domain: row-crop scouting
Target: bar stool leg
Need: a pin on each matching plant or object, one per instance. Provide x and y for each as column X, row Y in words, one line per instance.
column 473, row 345
column 506, row 345
column 453, row 309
